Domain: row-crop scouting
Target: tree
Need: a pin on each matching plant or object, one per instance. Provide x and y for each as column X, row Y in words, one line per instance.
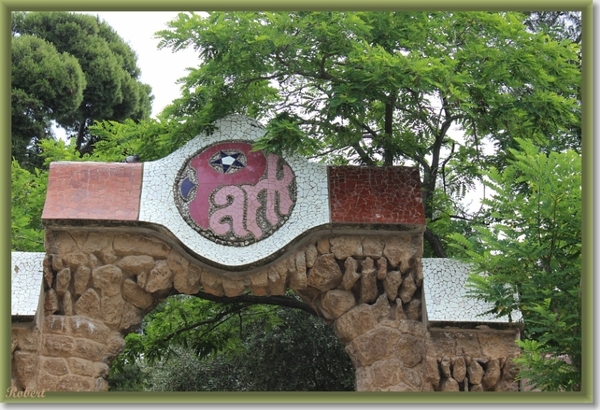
column 47, row 85
column 75, row 43
column 531, row 256
column 385, row 88
column 250, row 348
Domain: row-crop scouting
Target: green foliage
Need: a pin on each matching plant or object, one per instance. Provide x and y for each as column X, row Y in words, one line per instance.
column 28, row 193
column 531, row 256
column 47, row 85
column 262, row 349
column 79, row 70
column 384, row 88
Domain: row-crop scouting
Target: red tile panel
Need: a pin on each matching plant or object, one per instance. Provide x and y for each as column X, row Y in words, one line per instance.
column 378, row 195
column 92, row 190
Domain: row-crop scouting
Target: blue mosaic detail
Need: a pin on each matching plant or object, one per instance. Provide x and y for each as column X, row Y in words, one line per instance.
column 186, row 187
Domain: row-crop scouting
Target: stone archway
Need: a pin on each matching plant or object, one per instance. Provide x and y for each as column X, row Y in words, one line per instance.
column 348, row 240
column 99, row 286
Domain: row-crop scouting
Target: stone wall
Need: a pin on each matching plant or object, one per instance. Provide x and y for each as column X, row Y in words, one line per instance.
column 478, row 359
column 98, row 285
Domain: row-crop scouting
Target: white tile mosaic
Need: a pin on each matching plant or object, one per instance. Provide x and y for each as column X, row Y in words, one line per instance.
column 446, row 295
column 157, row 204
column 27, row 271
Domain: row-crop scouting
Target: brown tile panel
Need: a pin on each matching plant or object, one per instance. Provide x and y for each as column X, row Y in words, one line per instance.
column 93, row 190
column 386, row 195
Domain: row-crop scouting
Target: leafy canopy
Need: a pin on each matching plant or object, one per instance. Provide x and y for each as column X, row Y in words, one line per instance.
column 531, row 257
column 384, row 88
column 72, row 69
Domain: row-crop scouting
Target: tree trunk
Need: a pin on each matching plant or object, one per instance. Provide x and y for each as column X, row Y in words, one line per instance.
column 436, row 244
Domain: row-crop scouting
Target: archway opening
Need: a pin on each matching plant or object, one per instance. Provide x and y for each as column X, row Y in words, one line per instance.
column 192, row 344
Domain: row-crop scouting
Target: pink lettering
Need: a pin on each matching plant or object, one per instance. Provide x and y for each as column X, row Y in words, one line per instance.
column 238, row 206
column 273, row 186
column 235, row 210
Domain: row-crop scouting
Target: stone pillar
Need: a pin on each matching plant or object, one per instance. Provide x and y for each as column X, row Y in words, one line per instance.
column 369, row 287
column 389, row 355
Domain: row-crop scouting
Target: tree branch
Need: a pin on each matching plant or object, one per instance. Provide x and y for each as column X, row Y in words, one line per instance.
column 215, row 319
column 285, row 301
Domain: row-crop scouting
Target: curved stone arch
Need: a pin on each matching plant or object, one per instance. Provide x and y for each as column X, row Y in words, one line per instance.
column 100, row 283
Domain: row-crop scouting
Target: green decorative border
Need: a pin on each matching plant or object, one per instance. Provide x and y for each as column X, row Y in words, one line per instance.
column 586, row 6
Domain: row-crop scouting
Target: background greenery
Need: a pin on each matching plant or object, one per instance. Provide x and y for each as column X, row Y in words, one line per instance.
column 468, row 97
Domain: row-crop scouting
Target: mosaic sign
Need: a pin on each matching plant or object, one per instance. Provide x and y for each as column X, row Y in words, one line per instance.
column 234, row 196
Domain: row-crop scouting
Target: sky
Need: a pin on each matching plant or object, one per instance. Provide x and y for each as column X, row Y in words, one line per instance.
column 160, row 68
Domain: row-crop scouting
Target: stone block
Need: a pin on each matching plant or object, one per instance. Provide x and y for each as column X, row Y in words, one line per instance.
column 323, row 246
column 137, row 245
column 375, row 345
column 391, row 284
column 344, row 247
column 372, row 246
column 445, row 364
column 449, row 385
column 131, row 318
column 50, row 302
column 413, row 310
column 88, row 304
column 54, row 365
column 135, row 264
column 368, row 282
column 459, row 369
column 25, row 366
column 407, row 289
column 88, row 349
column 212, row 283
column 108, row 279
column 233, row 287
column 311, row 255
column 177, row 263
column 475, row 372
column 259, row 283
column 381, row 311
column 467, row 343
column 381, row 268
column 75, row 383
column 97, row 243
column 410, row 350
column 61, row 243
column 350, row 275
column 336, row 302
column 160, row 277
column 325, row 274
column 432, row 372
column 112, row 310
column 277, row 280
column 81, row 280
column 492, row 375
column 188, row 282
column 63, row 279
column 74, row 260
column 88, row 368
column 57, row 345
column 135, row 295
column 354, row 323
column 67, row 304
column 87, row 328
